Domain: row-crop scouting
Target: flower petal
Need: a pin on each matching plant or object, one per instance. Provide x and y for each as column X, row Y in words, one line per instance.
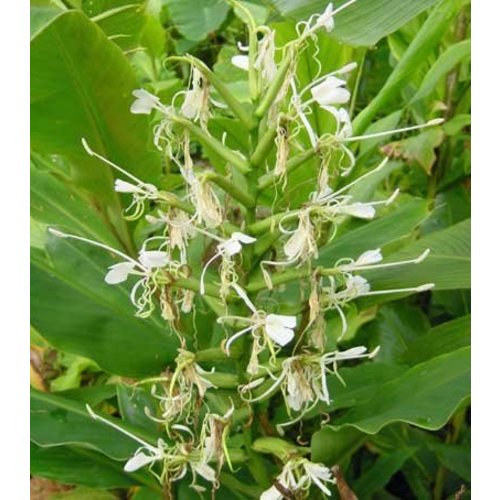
column 153, row 258
column 243, row 238
column 125, row 187
column 369, row 257
column 271, row 494
column 118, row 273
column 281, row 320
column 241, row 62
column 360, row 210
column 137, row 461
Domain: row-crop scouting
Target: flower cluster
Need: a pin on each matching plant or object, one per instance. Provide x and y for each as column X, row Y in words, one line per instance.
column 280, row 352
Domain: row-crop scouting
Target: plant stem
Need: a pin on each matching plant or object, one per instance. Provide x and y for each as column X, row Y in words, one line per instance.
column 217, row 83
column 265, row 224
column 268, row 179
column 230, row 187
column 240, row 162
column 263, row 147
column 275, row 87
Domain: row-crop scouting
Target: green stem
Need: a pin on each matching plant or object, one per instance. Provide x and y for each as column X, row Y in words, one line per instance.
column 275, row 87
column 259, row 284
column 230, row 187
column 263, row 147
column 240, row 162
column 292, row 165
column 265, row 224
column 217, row 83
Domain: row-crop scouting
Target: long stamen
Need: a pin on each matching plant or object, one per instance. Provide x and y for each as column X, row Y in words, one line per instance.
column 205, row 268
column 418, row 289
column 417, row 260
column 430, row 123
column 236, row 336
column 95, row 416
column 379, row 167
column 91, row 152
column 60, row 234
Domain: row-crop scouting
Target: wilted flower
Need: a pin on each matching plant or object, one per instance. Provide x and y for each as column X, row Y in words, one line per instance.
column 297, row 476
column 196, row 99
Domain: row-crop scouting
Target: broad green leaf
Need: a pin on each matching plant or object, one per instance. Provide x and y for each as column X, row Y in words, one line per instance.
column 442, row 339
column 448, row 264
column 452, row 56
column 57, row 421
column 330, row 446
column 375, row 478
column 87, row 467
column 121, row 21
column 395, row 328
column 422, row 45
column 194, row 19
column 426, row 395
column 363, row 23
column 376, row 234
column 81, row 86
column 133, row 402
column 77, row 312
column 59, row 205
column 40, row 16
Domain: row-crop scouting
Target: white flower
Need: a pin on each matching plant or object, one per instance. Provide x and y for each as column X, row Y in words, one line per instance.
column 118, row 273
column 369, row 257
column 299, row 474
column 280, row 328
column 144, row 103
column 325, row 20
column 152, row 259
column 360, row 210
column 240, row 61
column 225, row 250
column 276, row 329
column 233, row 245
column 330, row 92
column 196, row 99
column 302, row 244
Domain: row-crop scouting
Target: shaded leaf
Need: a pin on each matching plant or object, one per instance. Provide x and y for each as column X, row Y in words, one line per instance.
column 77, row 312
column 87, row 467
column 425, row 395
column 442, row 339
column 381, row 472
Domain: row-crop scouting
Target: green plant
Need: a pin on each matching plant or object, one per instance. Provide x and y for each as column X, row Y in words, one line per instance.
column 250, row 274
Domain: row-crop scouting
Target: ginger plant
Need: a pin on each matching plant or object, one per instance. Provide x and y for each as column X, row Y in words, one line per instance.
column 257, row 246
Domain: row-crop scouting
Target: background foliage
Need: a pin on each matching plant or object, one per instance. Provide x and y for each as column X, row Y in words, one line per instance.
column 400, row 426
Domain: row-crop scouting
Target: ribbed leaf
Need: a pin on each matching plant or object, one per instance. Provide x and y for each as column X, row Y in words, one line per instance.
column 425, row 395
column 448, row 265
column 76, row 311
column 194, row 19
column 378, row 233
column 363, row 23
